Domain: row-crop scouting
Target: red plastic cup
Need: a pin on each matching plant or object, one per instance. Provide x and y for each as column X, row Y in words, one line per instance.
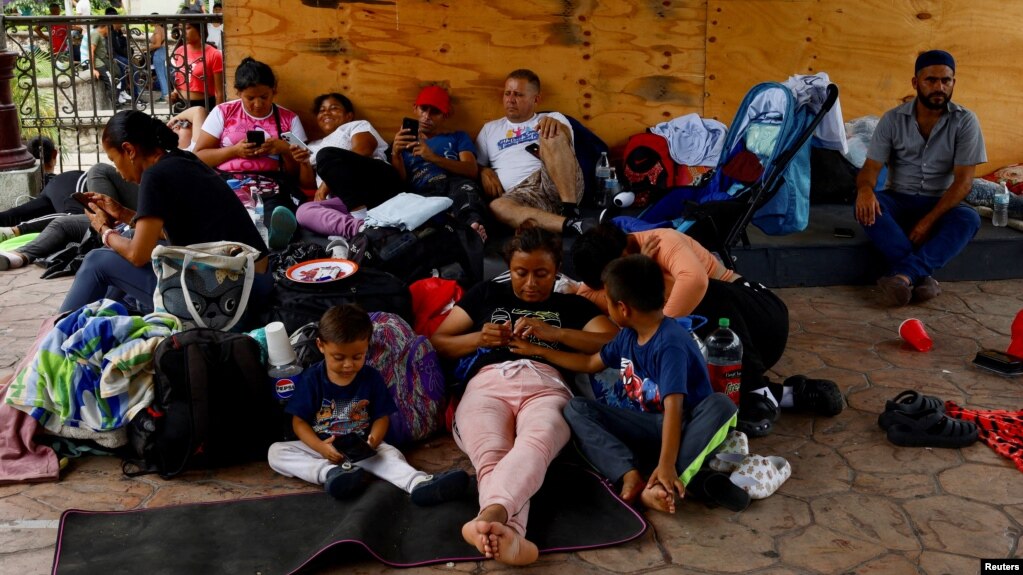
column 912, row 332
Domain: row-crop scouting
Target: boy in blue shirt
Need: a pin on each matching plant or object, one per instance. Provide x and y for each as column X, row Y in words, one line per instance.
column 341, row 401
column 676, row 419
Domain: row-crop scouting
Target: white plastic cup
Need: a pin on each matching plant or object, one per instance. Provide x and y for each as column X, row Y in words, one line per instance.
column 278, row 345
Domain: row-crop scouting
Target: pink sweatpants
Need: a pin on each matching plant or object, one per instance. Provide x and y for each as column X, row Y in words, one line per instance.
column 510, row 425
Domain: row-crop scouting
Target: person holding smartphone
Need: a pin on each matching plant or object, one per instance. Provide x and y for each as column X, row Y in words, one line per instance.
column 351, row 170
column 225, row 144
column 438, row 162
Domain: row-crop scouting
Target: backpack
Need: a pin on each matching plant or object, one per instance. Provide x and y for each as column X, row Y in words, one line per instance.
column 212, row 406
column 296, row 304
column 411, row 368
column 650, row 170
column 453, row 249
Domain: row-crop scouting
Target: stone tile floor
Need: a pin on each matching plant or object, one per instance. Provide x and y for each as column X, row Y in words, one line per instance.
column 855, row 503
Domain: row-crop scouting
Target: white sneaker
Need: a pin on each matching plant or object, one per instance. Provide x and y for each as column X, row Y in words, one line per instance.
column 123, row 98
column 338, row 249
column 6, row 234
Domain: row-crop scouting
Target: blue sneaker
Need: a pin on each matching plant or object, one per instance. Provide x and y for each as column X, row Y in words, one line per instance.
column 342, row 483
column 282, row 227
column 442, row 487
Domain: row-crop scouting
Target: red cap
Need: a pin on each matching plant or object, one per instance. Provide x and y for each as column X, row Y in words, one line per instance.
column 435, row 96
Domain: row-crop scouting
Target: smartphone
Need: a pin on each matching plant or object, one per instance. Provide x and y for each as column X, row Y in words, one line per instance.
column 534, row 149
column 293, row 140
column 999, row 362
column 257, row 137
column 81, row 198
column 353, row 447
column 412, row 125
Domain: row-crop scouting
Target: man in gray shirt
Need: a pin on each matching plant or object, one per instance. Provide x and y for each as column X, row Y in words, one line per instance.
column 931, row 147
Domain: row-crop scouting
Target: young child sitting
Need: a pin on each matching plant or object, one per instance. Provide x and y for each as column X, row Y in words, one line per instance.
column 665, row 378
column 341, row 397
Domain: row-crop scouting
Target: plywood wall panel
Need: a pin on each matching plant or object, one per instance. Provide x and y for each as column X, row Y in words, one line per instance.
column 617, row 65
column 623, row 65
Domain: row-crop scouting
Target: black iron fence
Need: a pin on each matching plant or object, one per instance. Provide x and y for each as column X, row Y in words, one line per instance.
column 73, row 73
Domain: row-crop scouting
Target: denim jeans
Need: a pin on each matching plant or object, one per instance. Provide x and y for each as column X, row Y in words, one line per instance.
column 899, row 213
column 160, row 64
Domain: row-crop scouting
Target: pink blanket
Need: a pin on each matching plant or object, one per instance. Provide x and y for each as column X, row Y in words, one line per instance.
column 20, row 459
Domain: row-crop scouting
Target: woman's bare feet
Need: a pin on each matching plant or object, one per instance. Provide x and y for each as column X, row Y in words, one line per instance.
column 632, row 485
column 478, row 227
column 656, row 497
column 508, row 547
column 476, row 532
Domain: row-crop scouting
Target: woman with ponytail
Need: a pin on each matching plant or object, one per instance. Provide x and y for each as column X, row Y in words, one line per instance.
column 179, row 196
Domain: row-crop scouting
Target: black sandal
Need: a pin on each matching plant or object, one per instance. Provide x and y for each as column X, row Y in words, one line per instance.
column 929, row 428
column 909, row 402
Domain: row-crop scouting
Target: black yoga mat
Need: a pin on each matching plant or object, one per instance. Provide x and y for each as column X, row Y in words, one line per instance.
column 574, row 510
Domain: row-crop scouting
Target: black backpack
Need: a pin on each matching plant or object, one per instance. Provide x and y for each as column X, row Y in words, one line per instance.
column 296, row 304
column 213, row 406
column 451, row 248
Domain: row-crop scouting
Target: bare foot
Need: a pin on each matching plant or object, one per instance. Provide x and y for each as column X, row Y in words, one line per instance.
column 476, row 532
column 657, row 498
column 632, row 484
column 509, row 547
column 479, row 230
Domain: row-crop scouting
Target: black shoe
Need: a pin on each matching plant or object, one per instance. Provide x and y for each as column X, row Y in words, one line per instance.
column 757, row 415
column 820, row 396
column 446, row 486
column 577, row 226
column 343, row 483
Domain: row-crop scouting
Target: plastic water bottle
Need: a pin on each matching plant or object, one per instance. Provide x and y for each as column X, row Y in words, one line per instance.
column 612, row 187
column 257, row 215
column 1000, row 217
column 283, row 360
column 724, row 360
column 603, row 173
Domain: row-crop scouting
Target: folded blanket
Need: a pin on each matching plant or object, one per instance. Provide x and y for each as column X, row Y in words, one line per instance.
column 94, row 369
column 406, row 211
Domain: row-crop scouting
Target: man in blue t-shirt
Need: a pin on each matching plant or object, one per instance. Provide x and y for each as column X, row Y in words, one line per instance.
column 436, row 162
column 674, row 420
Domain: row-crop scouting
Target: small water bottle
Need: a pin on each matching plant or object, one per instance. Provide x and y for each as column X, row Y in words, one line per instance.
column 283, row 360
column 1000, row 217
column 612, row 187
column 603, row 173
column 257, row 214
column 724, row 360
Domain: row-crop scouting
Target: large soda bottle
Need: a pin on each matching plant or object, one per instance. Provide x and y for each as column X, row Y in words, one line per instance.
column 603, row 173
column 1000, row 217
column 724, row 360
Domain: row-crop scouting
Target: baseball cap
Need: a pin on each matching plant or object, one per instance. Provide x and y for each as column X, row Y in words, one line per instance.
column 435, row 96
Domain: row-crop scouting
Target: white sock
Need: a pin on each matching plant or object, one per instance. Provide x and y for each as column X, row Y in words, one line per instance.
column 766, row 393
column 787, row 398
column 16, row 259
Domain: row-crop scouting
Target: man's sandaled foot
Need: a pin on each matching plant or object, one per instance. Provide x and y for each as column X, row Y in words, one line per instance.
column 658, row 498
column 510, row 548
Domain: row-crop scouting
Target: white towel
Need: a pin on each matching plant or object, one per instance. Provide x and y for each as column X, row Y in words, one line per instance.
column 406, row 211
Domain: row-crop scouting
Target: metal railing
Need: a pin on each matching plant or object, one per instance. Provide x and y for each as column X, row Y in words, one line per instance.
column 56, row 89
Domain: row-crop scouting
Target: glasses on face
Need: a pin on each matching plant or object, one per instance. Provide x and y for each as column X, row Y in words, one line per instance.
column 332, row 110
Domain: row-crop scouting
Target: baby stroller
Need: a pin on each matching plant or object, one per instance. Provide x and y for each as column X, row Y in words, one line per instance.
column 763, row 176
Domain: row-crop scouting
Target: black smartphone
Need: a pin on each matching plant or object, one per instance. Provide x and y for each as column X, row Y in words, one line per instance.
column 353, row 447
column 257, row 137
column 999, row 362
column 81, row 198
column 534, row 149
column 412, row 125
column 844, row 233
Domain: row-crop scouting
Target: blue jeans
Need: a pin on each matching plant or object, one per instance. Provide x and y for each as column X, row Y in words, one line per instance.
column 899, row 213
column 160, row 63
column 105, row 273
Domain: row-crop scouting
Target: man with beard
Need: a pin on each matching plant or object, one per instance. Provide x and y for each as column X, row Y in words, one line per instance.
column 931, row 147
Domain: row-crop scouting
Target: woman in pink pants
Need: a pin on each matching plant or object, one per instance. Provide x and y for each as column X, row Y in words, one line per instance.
column 509, row 421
